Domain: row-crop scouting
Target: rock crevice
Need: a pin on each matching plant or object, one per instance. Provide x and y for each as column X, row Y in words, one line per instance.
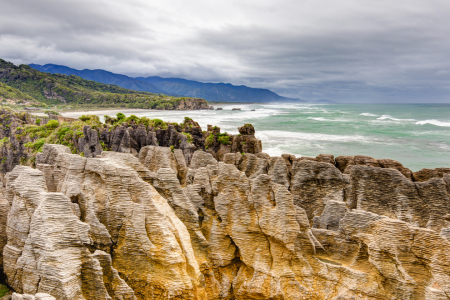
column 163, row 226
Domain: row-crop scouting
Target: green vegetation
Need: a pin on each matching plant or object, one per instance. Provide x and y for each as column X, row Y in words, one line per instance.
column 52, row 112
column 223, row 138
column 190, row 139
column 172, row 148
column 121, row 118
column 28, row 83
column 4, row 141
column 104, row 148
column 52, row 124
column 209, row 141
column 55, row 133
column 90, row 119
column 8, row 92
column 38, row 121
column 186, row 120
column 3, row 290
column 68, row 133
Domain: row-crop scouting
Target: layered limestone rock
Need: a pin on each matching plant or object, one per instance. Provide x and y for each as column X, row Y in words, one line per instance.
column 164, row 226
column 4, row 210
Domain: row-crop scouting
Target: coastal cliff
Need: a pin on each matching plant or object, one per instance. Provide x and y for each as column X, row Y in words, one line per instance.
column 201, row 222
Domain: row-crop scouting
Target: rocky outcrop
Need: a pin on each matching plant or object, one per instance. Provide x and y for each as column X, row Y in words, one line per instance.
column 192, row 104
column 189, row 138
column 11, row 148
column 342, row 162
column 427, row 174
column 248, row 227
column 126, row 137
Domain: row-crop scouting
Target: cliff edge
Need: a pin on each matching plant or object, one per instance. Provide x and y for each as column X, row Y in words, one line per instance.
column 157, row 225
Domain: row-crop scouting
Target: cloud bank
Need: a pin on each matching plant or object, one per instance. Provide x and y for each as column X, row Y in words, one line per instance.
column 348, row 50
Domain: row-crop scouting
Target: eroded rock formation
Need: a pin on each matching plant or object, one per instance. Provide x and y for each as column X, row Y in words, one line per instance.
column 166, row 226
column 17, row 130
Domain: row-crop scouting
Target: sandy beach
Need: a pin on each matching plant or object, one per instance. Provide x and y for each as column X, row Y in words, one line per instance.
column 110, row 112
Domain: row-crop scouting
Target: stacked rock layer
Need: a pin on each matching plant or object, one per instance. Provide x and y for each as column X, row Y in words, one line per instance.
column 250, row 226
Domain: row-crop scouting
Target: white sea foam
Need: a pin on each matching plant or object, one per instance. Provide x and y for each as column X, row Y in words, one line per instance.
column 322, row 119
column 442, row 146
column 271, row 134
column 368, row 115
column 319, row 119
column 388, row 117
column 434, row 122
column 290, row 106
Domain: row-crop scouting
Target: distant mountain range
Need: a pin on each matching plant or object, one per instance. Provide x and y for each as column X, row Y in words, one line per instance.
column 216, row 92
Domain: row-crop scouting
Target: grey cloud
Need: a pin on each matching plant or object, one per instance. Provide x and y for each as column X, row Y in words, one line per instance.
column 348, row 50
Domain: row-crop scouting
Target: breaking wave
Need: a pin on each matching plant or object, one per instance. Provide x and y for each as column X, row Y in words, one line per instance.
column 388, row 117
column 434, row 122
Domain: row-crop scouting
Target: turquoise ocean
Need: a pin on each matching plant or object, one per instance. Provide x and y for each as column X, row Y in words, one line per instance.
column 417, row 135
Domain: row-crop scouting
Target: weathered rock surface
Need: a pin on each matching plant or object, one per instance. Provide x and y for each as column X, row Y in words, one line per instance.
column 11, row 148
column 128, row 137
column 4, row 211
column 251, row 226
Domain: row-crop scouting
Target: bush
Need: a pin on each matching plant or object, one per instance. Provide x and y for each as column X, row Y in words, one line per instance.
column 38, row 121
column 62, row 132
column 79, row 133
column 223, row 139
column 90, row 119
column 120, row 116
column 52, row 112
column 37, row 145
column 132, row 118
column 157, row 123
column 110, row 120
column 209, row 141
column 52, row 124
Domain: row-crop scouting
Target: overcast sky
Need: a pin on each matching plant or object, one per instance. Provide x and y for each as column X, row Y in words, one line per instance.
column 347, row 50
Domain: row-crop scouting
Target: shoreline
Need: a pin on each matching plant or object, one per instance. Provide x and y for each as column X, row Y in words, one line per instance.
column 65, row 113
column 109, row 110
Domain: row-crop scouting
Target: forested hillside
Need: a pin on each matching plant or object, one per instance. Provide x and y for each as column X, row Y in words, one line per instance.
column 57, row 88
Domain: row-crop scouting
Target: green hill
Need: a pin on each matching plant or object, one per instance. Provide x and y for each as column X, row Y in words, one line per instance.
column 10, row 94
column 60, row 89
